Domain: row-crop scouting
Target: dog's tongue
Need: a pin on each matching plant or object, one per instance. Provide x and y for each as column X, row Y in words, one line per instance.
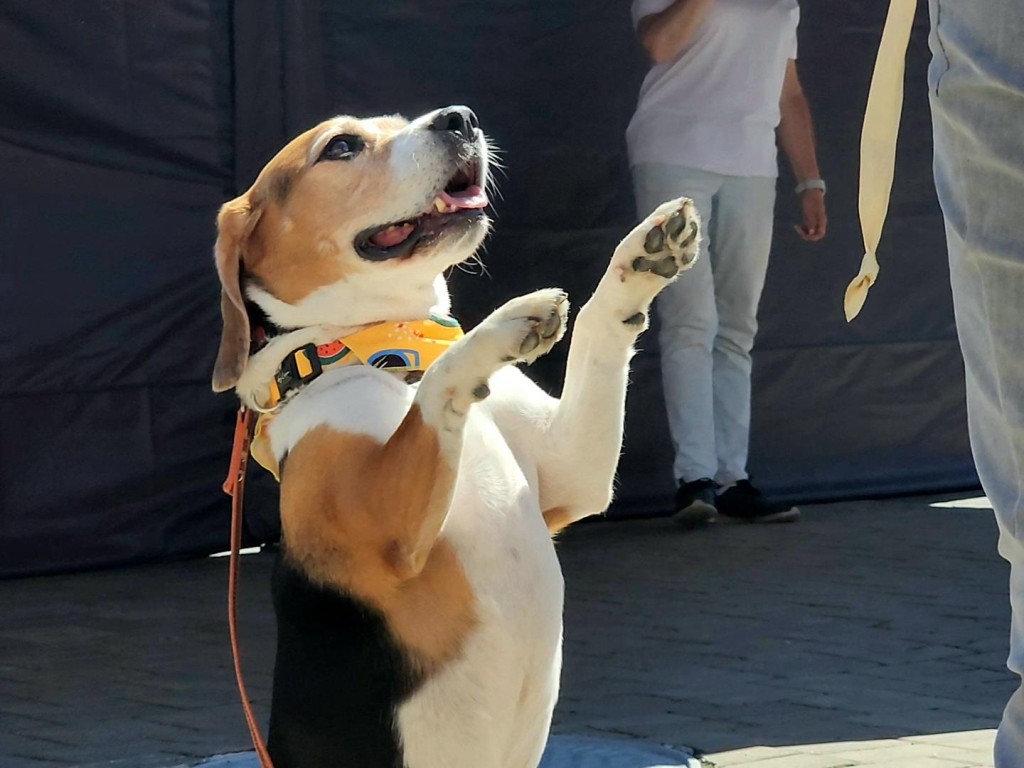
column 392, row 235
column 446, row 202
column 470, row 197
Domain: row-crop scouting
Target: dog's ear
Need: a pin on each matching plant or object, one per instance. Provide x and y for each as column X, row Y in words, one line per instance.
column 235, row 223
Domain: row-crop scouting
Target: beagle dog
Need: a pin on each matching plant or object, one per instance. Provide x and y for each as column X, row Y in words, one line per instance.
column 417, row 592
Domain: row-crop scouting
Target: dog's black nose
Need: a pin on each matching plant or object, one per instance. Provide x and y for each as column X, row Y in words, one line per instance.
column 458, row 119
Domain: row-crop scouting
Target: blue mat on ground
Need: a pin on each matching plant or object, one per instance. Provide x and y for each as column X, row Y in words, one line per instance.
column 562, row 752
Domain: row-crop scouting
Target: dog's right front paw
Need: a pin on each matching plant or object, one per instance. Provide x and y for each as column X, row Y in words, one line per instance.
column 521, row 330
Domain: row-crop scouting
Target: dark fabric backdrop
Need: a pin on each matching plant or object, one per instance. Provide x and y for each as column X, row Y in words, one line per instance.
column 124, row 125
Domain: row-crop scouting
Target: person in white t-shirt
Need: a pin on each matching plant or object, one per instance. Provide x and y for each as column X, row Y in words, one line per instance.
column 722, row 86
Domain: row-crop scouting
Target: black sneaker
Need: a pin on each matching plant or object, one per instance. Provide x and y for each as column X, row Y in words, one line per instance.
column 742, row 502
column 695, row 503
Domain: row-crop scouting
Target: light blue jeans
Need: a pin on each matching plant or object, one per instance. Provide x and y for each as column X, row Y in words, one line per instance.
column 709, row 319
column 976, row 83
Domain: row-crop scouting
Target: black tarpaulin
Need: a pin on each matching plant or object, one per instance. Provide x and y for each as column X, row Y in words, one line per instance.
column 125, row 125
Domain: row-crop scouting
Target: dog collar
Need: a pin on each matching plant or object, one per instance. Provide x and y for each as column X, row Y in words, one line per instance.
column 411, row 346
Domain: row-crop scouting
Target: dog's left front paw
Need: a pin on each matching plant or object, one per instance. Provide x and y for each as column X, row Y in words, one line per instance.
column 648, row 259
column 665, row 243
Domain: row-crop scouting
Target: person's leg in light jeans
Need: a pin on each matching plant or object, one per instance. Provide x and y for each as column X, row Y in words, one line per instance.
column 708, row 317
column 976, row 83
column 741, row 240
column 689, row 322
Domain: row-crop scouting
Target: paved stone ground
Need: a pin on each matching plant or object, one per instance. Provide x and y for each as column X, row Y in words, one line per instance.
column 870, row 634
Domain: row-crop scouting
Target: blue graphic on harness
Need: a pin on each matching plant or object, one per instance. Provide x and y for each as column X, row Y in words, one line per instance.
column 395, row 358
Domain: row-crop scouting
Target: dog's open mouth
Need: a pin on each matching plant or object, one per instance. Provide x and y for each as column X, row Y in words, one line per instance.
column 461, row 200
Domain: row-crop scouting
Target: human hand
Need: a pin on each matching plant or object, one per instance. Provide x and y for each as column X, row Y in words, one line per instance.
column 815, row 222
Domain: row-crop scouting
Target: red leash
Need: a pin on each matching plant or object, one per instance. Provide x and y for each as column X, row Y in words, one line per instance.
column 234, row 486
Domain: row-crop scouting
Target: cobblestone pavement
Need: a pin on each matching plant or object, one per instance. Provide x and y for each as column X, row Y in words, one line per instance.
column 869, row 634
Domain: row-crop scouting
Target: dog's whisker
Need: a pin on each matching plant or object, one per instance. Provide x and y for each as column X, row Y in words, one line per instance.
column 491, row 179
column 494, row 157
column 474, row 265
column 479, row 259
column 492, row 188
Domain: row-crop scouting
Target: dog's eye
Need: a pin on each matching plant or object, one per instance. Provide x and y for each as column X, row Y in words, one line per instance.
column 343, row 147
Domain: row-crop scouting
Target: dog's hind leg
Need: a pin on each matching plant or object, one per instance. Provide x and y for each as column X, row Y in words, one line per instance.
column 584, row 437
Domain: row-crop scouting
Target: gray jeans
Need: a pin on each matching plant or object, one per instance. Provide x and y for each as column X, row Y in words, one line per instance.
column 709, row 318
column 976, row 82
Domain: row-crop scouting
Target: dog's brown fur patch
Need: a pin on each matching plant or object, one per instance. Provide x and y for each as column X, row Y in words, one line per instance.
column 557, row 518
column 294, row 248
column 364, row 518
column 287, row 233
column 304, row 257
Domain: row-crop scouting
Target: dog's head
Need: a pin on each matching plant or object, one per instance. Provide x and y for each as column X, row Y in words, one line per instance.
column 351, row 223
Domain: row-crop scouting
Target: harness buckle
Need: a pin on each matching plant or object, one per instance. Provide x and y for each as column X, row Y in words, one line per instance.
column 298, row 369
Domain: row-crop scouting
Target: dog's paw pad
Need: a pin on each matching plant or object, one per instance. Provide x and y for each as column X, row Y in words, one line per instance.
column 554, row 324
column 655, row 240
column 676, row 223
column 530, row 342
column 671, row 236
column 664, row 267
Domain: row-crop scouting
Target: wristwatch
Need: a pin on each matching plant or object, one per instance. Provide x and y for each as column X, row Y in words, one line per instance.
column 803, row 186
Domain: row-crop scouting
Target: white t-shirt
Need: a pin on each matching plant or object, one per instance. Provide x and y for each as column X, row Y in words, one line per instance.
column 715, row 107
